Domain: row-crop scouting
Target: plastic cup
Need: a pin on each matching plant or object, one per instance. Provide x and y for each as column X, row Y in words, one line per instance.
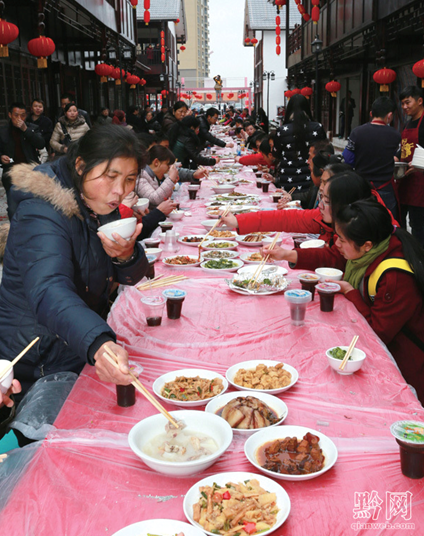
column 298, row 299
column 265, row 186
column 153, row 307
column 298, row 240
column 192, row 194
column 258, row 183
column 326, row 292
column 125, row 394
column 276, row 197
column 410, row 437
column 309, row 282
column 174, row 302
column 166, row 225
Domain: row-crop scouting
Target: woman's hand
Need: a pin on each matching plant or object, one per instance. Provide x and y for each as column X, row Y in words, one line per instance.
column 230, row 221
column 268, row 177
column 173, row 174
column 345, row 287
column 121, row 249
column 286, row 198
column 107, row 372
column 5, row 399
column 280, row 254
column 200, row 173
column 166, row 207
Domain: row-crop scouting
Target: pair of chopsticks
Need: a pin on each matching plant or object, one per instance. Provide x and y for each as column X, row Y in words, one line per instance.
column 161, row 281
column 113, row 360
column 259, row 269
column 17, row 358
column 226, row 211
column 349, row 351
column 291, row 191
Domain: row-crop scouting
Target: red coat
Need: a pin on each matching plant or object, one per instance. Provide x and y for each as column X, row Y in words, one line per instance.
column 398, row 303
column 254, row 159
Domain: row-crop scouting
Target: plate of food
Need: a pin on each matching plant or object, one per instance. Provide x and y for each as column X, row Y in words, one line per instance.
column 291, row 453
column 222, row 234
column 220, row 244
column 221, row 265
column 192, row 240
column 252, row 239
column 179, row 261
column 248, row 413
column 244, row 503
column 164, row 527
column 269, row 282
column 254, row 258
column 219, row 254
column 235, row 195
column 189, row 387
column 249, row 271
column 262, row 375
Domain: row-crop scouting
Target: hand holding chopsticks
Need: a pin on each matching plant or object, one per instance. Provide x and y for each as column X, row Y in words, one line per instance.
column 17, row 358
column 259, row 269
column 112, row 358
column 349, row 352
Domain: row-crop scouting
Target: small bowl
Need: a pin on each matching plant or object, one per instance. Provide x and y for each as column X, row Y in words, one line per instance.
column 198, row 421
column 329, row 273
column 6, row 382
column 354, row 364
column 141, row 205
column 125, row 228
column 266, row 240
column 154, row 252
column 223, row 189
column 208, row 224
column 312, row 244
column 176, row 215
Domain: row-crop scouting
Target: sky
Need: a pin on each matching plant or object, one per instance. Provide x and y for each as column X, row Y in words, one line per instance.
column 230, row 58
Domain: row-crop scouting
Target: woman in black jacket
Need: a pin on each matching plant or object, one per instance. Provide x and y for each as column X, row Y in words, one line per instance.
column 58, row 270
column 291, row 144
column 186, row 145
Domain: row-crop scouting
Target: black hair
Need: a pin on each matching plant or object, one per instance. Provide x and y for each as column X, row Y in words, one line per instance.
column 132, row 109
column 322, row 145
column 369, row 220
column 146, row 139
column 259, row 136
column 411, row 91
column 186, row 122
column 36, row 99
column 299, row 114
column 211, row 112
column 323, row 159
column 17, row 104
column 238, row 120
column 69, row 105
column 178, row 105
column 265, row 147
column 104, row 108
column 163, row 154
column 161, row 137
column 238, row 130
column 382, row 107
column 334, row 168
column 346, row 188
column 102, row 145
column 67, row 96
column 249, row 124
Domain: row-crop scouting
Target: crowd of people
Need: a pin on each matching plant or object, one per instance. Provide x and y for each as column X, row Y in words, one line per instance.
column 60, row 271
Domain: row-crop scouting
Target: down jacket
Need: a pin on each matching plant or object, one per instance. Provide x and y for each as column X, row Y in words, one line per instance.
column 148, row 186
column 76, row 130
column 187, row 149
column 205, row 135
column 56, row 275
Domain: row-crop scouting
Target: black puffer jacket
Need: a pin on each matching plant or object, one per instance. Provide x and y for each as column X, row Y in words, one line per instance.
column 293, row 170
column 168, row 121
column 56, row 275
column 205, row 135
column 187, row 149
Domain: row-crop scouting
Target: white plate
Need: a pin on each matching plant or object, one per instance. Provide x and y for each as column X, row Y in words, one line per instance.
column 210, row 245
column 233, row 254
column 181, row 265
column 277, row 406
column 240, row 240
column 233, row 198
column 188, row 373
column 192, row 244
column 328, row 448
column 245, row 292
column 164, row 527
column 277, row 270
column 237, row 261
column 193, row 494
column 230, row 238
column 251, row 365
column 245, row 258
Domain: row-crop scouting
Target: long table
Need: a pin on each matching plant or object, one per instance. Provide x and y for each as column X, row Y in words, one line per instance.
column 84, row 479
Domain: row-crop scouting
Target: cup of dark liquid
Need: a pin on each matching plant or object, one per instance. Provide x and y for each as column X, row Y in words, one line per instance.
column 276, row 196
column 192, row 190
column 326, row 292
column 125, row 394
column 151, row 273
column 409, row 436
column 153, row 307
column 174, row 302
column 166, row 225
column 299, row 239
column 298, row 299
column 265, row 186
column 152, row 242
column 309, row 282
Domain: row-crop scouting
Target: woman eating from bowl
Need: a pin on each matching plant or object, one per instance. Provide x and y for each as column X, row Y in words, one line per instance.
column 58, row 270
column 70, row 127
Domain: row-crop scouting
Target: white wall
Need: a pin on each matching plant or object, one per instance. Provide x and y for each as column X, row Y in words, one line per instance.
column 275, row 63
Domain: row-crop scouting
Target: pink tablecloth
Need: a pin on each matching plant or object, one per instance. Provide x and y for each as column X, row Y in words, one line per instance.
column 84, row 479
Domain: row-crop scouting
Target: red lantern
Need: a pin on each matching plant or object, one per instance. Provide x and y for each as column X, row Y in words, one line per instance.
column 162, row 42
column 418, row 70
column 278, row 40
column 288, row 94
column 134, row 4
column 177, row 21
column 147, row 17
column 230, row 95
column 162, row 58
column 247, row 40
column 164, row 92
column 103, row 70
column 306, row 92
column 295, row 91
column 315, row 14
column 277, row 20
column 116, row 75
column 41, row 47
column 280, row 3
column 306, row 17
column 278, row 50
column 297, row 2
column 8, row 33
column 333, row 87
column 277, row 30
column 209, row 96
column 132, row 80
column 182, row 48
column 384, row 77
column 142, row 82
column 301, row 9
column 146, row 4
column 162, row 34
column 254, row 41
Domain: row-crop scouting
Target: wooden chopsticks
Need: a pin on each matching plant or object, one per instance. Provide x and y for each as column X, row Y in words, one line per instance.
column 226, row 211
column 262, row 264
column 17, row 358
column 161, row 281
column 348, row 353
column 292, row 191
column 113, row 360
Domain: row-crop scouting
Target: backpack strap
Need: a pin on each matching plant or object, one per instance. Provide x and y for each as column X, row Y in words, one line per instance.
column 387, row 264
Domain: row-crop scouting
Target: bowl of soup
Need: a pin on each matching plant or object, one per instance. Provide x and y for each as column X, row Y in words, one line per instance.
column 329, row 273
column 124, row 228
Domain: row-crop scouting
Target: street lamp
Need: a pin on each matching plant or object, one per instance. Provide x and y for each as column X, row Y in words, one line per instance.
column 316, row 47
column 268, row 75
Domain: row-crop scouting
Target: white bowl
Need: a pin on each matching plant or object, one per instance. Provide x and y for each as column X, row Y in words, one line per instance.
column 251, row 365
column 329, row 273
column 156, row 252
column 281, row 432
column 193, row 494
column 277, row 406
column 208, row 224
column 176, row 216
column 124, row 228
column 312, row 244
column 6, row 382
column 241, row 240
column 267, row 240
column 238, row 264
column 198, row 421
column 141, row 205
column 354, row 364
column 164, row 527
column 193, row 244
column 188, row 373
column 223, row 189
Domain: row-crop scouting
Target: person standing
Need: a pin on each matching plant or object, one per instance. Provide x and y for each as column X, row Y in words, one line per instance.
column 45, row 126
column 411, row 187
column 66, row 99
column 206, row 121
column 347, row 111
column 371, row 149
column 71, row 127
column 103, row 118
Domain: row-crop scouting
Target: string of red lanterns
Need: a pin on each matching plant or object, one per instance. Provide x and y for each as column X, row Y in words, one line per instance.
column 134, row 4
column 146, row 12
column 277, row 35
column 162, row 46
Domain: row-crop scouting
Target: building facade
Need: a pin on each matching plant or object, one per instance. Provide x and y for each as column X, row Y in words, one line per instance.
column 194, row 61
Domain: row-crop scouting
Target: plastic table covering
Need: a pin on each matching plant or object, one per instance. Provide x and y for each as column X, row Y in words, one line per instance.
column 84, row 479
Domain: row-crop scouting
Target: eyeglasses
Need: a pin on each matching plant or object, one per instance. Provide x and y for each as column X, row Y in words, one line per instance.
column 322, row 201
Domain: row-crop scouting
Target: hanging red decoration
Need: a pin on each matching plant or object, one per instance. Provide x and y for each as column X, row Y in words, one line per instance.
column 306, row 92
column 116, row 75
column 142, row 82
column 278, row 40
column 280, row 3
column 162, row 34
column 288, row 94
column 384, row 77
column 162, row 58
column 278, row 20
column 247, row 40
column 301, row 9
column 306, row 17
column 230, row 95
column 209, row 96
column 177, row 21
column 147, row 17
column 41, row 47
column 295, row 91
column 254, row 41
column 278, row 50
column 297, row 2
column 134, row 4
column 103, row 70
column 162, row 42
column 418, row 70
column 277, row 30
column 162, row 54
column 8, row 33
column 164, row 92
column 315, row 14
column 132, row 80
column 333, row 87
column 182, row 48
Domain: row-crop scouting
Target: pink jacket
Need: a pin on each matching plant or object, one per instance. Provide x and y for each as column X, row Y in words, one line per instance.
column 149, row 187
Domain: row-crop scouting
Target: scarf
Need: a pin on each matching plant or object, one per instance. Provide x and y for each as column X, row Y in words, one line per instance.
column 355, row 270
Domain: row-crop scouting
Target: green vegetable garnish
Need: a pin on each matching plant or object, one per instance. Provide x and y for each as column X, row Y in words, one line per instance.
column 204, row 495
column 338, row 353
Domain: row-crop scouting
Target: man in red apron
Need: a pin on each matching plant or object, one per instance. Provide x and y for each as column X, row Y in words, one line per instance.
column 411, row 187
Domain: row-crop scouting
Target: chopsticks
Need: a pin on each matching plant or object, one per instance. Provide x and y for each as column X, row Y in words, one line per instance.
column 349, row 351
column 262, row 264
column 226, row 211
column 113, row 360
column 17, row 358
column 161, row 281
column 292, row 191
